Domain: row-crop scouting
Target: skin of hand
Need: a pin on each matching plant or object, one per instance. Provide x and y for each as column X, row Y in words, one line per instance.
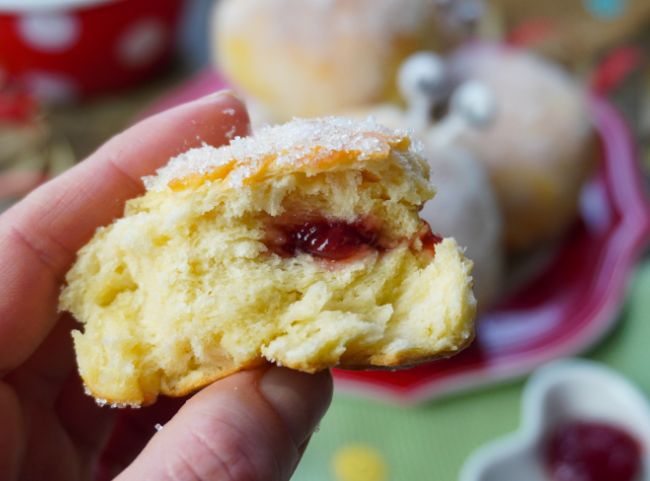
column 253, row 425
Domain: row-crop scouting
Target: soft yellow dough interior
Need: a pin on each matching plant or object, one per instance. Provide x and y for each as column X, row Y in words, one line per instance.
column 183, row 288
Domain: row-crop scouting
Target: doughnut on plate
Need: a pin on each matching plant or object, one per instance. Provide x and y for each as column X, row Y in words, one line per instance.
column 566, row 309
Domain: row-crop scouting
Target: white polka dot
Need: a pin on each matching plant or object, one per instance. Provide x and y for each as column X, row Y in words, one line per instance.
column 50, row 87
column 49, row 32
column 142, row 43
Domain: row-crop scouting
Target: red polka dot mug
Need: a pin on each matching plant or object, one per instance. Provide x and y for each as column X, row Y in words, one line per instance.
column 61, row 50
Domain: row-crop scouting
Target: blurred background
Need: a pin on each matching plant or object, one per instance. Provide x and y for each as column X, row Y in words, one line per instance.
column 535, row 118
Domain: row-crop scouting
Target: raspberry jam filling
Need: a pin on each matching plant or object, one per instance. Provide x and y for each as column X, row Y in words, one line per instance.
column 429, row 239
column 334, row 240
column 589, row 451
column 330, row 240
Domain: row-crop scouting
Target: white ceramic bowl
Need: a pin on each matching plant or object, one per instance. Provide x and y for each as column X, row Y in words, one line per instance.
column 560, row 392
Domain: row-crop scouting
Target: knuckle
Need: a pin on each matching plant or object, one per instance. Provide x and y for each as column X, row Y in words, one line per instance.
column 223, row 452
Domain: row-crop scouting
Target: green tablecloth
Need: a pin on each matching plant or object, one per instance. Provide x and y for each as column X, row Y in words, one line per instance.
column 379, row 442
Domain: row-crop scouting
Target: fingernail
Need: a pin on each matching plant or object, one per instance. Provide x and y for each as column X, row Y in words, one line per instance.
column 219, row 94
column 299, row 399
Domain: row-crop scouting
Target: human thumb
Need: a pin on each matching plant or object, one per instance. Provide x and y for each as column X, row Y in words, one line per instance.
column 251, row 426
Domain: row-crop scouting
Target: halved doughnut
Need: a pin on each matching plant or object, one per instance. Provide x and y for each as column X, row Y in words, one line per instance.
column 300, row 245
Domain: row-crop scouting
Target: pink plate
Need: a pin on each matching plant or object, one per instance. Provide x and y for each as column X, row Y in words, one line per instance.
column 565, row 310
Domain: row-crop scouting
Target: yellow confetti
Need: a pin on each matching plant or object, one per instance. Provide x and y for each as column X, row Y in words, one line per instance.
column 358, row 462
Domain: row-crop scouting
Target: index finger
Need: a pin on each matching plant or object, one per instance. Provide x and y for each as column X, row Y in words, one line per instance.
column 40, row 235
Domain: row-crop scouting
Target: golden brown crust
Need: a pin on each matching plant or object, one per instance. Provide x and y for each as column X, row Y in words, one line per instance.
column 372, row 363
column 181, row 391
column 310, row 146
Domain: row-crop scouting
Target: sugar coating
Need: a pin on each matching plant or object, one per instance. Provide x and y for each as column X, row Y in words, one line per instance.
column 295, row 145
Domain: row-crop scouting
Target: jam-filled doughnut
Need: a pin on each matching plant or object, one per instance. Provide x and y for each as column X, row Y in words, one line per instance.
column 539, row 149
column 300, row 245
column 465, row 207
column 311, row 57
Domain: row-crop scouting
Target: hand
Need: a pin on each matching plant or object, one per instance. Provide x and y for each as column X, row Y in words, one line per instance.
column 251, row 426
